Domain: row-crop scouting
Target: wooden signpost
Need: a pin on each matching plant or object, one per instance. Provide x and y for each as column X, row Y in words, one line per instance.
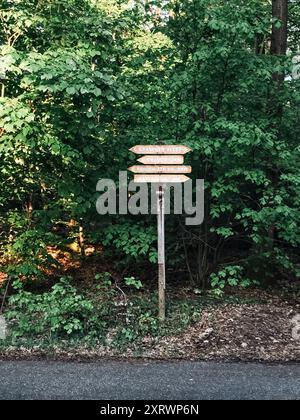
column 162, row 160
column 161, row 166
column 159, row 169
column 160, row 150
column 161, row 179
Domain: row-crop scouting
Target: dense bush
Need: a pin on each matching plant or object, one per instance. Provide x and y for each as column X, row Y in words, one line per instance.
column 82, row 81
column 61, row 312
column 104, row 315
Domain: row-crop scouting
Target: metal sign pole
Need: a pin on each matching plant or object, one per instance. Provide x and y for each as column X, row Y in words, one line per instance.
column 161, row 254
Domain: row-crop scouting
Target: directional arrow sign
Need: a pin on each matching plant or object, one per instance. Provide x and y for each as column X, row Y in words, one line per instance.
column 161, row 179
column 160, row 150
column 162, row 160
column 158, row 169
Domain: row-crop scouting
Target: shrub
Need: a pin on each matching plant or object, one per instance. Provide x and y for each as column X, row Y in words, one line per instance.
column 61, row 312
column 231, row 276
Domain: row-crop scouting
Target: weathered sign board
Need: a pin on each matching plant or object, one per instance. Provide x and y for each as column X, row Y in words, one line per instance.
column 160, row 150
column 161, row 169
column 161, row 179
column 162, row 160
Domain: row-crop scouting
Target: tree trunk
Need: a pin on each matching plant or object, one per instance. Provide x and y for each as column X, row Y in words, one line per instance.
column 2, row 90
column 279, row 42
column 279, row 46
column 81, row 239
column 280, row 34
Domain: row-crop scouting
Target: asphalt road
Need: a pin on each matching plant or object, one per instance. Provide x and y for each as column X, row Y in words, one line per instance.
column 148, row 381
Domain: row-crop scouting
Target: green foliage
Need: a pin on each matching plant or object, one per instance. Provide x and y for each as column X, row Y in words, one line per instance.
column 133, row 240
column 24, row 248
column 82, row 81
column 61, row 312
column 232, row 276
column 133, row 282
column 102, row 315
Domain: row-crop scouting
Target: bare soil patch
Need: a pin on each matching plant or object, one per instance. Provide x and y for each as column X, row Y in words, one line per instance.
column 260, row 332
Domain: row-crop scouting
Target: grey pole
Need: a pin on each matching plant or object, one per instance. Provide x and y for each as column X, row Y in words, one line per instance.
column 161, row 254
